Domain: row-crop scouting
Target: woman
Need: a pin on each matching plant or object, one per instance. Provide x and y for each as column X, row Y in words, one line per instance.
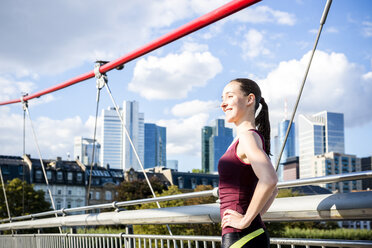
column 247, row 178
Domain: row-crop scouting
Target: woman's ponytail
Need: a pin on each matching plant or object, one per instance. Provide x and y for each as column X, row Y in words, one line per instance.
column 263, row 124
column 262, row 120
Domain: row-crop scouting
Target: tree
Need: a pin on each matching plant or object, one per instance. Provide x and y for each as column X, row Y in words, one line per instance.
column 34, row 201
column 197, row 171
column 138, row 189
column 185, row 229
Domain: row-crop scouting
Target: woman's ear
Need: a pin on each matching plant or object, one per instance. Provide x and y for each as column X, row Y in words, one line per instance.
column 251, row 99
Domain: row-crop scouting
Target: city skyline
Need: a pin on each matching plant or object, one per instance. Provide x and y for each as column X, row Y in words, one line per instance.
column 179, row 86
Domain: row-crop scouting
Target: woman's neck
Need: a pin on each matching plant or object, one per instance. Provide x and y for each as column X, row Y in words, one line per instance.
column 244, row 126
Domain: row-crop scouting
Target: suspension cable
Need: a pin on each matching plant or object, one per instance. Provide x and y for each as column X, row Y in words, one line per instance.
column 100, row 84
column 131, row 143
column 322, row 21
column 6, row 199
column 25, row 107
column 23, row 164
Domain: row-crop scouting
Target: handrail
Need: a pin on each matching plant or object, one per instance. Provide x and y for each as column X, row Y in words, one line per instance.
column 214, row 192
column 326, row 179
column 202, row 21
column 324, row 207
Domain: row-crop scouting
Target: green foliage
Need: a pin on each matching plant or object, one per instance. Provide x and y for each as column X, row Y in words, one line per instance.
column 186, row 229
column 339, row 233
column 197, row 171
column 138, row 189
column 34, row 201
column 101, row 230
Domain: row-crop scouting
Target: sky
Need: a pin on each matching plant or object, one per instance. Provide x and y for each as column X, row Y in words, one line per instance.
column 179, row 86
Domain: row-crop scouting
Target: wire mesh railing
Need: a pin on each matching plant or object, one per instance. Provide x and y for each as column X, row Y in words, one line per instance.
column 153, row 241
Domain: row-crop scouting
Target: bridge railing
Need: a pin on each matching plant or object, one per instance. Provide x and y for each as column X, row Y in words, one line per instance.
column 340, row 206
column 156, row 241
column 214, row 192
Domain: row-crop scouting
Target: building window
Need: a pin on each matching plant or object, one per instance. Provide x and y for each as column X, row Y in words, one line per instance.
column 97, row 195
column 59, row 205
column 91, row 195
column 38, row 174
column 59, row 192
column 68, row 204
column 49, row 175
column 5, row 169
column 193, row 183
column 69, row 176
column 20, row 170
column 215, row 183
column 180, row 182
column 205, row 181
column 59, row 176
column 79, row 177
column 69, row 192
column 108, row 195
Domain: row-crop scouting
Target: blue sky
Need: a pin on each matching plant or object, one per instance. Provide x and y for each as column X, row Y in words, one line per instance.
column 179, row 86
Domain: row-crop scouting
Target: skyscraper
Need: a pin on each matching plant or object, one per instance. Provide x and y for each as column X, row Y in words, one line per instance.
column 83, row 150
column 206, row 134
column 290, row 146
column 134, row 123
column 215, row 141
column 318, row 134
column 155, row 145
column 111, row 139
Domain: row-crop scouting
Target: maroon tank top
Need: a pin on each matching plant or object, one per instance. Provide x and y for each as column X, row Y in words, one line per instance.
column 237, row 184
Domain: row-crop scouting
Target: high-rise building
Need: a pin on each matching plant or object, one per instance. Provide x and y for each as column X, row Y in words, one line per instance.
column 215, row 141
column 111, row 139
column 318, row 134
column 155, row 146
column 289, row 148
column 83, row 150
column 206, row 134
column 366, row 164
column 333, row 163
column 134, row 123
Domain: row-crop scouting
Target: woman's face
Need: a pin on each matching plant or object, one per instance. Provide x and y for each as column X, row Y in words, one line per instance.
column 234, row 102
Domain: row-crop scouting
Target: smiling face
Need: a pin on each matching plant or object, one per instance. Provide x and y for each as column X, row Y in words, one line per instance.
column 235, row 104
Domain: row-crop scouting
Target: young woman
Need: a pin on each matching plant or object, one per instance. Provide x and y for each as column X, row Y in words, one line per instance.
column 247, row 178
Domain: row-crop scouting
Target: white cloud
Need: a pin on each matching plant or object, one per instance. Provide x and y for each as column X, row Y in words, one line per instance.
column 11, row 88
column 55, row 137
column 333, row 84
column 40, row 39
column 264, row 14
column 173, row 76
column 253, row 44
column 184, row 135
column 194, row 107
column 367, row 28
column 332, row 30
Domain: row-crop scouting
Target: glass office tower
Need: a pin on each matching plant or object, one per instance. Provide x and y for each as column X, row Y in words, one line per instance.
column 83, row 150
column 111, row 144
column 318, row 134
column 155, row 145
column 134, row 123
column 289, row 148
column 215, row 141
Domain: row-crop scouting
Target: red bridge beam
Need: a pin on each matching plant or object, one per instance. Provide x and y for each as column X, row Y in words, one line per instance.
column 211, row 17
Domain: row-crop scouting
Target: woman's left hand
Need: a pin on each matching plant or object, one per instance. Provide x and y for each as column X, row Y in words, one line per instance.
column 234, row 219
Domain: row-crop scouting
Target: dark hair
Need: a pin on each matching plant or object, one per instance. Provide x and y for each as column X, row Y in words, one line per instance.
column 262, row 120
